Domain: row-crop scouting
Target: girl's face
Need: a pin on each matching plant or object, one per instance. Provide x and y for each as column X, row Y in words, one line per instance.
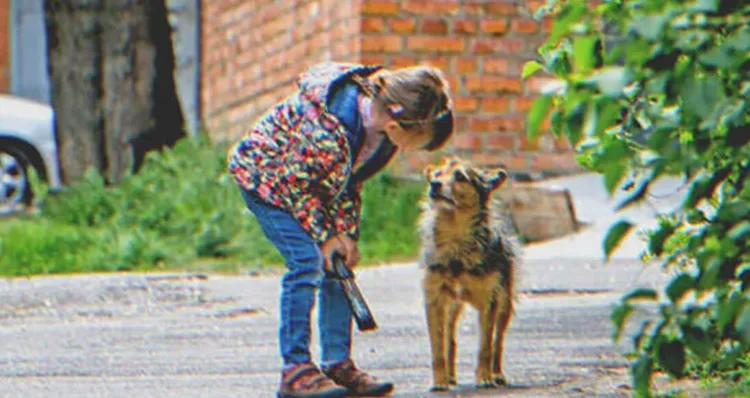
column 407, row 140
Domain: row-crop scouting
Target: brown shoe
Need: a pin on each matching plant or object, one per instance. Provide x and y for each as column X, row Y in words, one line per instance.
column 359, row 383
column 307, row 381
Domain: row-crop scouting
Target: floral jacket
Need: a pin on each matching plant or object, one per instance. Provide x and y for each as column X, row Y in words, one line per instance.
column 296, row 157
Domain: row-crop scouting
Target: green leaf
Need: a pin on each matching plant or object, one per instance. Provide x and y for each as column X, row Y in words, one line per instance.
column 620, row 316
column 530, row 67
column 742, row 324
column 642, row 370
column 697, row 340
column 679, row 286
column 614, row 236
column 700, row 95
column 611, row 81
column 671, row 356
column 613, row 174
column 656, row 242
column 636, row 196
column 538, row 112
column 585, row 53
column 641, row 294
column 740, row 231
column 704, row 5
column 728, row 311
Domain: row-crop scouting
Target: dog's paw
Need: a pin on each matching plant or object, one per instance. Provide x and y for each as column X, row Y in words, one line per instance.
column 439, row 388
column 485, row 384
column 500, row 380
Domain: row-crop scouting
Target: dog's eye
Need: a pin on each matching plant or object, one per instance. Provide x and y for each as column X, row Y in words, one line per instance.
column 459, row 176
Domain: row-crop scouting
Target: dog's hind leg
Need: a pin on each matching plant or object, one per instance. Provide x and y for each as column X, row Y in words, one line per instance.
column 503, row 319
column 454, row 314
column 436, row 308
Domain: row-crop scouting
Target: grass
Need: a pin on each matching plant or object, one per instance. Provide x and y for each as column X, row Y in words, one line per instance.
column 181, row 211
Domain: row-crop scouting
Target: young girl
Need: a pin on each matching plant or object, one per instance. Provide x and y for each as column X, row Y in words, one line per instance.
column 301, row 169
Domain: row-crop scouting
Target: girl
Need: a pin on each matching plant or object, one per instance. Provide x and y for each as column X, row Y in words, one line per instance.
column 301, row 169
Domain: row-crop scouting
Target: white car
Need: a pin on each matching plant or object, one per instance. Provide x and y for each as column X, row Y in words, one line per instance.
column 27, row 139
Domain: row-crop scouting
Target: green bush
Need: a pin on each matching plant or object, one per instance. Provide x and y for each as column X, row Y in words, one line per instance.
column 181, row 210
column 665, row 92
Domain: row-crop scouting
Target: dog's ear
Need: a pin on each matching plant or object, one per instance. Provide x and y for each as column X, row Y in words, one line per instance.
column 427, row 171
column 495, row 178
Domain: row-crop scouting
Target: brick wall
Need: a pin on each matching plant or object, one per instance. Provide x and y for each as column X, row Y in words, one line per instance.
column 253, row 50
column 4, row 46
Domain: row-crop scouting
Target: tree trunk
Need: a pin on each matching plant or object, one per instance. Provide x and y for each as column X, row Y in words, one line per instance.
column 111, row 65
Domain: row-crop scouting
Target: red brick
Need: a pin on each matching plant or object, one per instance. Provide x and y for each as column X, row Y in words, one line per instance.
column 434, row 26
column 402, row 25
column 373, row 25
column 473, row 8
column 435, row 44
column 441, row 62
column 522, row 104
column 465, row 104
column 494, row 26
column 493, row 84
column 512, row 46
column 431, row 7
column 501, row 141
column 527, row 145
column 454, row 82
column 554, row 161
column 524, row 26
column 465, row 26
column 561, row 144
column 374, row 7
column 495, row 66
column 388, row 44
column 498, row 8
column 497, row 123
column 467, row 141
column 403, row 61
column 496, row 160
column 418, row 161
column 372, row 59
column 465, row 65
column 495, row 104
column 547, row 24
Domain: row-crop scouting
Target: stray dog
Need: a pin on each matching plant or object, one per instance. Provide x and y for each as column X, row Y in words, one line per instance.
column 469, row 251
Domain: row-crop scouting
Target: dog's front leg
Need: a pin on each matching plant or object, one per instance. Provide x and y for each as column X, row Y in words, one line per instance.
column 436, row 306
column 487, row 322
column 454, row 314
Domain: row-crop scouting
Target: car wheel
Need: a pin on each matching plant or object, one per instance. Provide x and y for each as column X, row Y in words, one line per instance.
column 15, row 188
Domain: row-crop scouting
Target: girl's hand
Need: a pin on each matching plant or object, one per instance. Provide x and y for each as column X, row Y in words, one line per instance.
column 345, row 246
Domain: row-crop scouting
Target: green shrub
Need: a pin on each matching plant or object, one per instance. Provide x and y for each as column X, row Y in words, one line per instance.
column 666, row 93
column 181, row 210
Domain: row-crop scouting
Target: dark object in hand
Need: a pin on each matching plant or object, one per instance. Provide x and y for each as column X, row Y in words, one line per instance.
column 360, row 310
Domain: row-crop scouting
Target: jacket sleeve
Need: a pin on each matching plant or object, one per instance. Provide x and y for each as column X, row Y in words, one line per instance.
column 345, row 211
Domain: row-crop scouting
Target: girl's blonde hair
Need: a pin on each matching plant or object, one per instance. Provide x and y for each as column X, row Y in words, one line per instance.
column 418, row 98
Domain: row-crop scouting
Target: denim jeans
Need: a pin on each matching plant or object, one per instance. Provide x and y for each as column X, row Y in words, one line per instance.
column 304, row 276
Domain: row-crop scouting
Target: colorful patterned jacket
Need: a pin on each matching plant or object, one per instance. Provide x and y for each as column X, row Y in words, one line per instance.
column 297, row 157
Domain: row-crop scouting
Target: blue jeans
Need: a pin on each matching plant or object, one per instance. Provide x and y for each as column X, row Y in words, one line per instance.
column 305, row 275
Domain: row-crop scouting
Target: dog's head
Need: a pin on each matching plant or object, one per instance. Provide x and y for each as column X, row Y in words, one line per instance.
column 457, row 184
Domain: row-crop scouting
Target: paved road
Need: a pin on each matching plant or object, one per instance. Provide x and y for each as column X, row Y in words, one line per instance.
column 160, row 335
column 215, row 336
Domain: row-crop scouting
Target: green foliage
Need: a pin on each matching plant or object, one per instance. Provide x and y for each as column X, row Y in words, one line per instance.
column 665, row 93
column 182, row 209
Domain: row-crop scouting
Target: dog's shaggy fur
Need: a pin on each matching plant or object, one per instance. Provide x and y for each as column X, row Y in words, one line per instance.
column 469, row 254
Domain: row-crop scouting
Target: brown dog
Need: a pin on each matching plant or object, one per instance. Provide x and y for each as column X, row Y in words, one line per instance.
column 469, row 251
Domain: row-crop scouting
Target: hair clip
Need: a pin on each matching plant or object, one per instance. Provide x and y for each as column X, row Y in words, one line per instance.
column 395, row 109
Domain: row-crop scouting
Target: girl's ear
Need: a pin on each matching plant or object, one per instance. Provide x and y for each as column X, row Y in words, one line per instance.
column 495, row 178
